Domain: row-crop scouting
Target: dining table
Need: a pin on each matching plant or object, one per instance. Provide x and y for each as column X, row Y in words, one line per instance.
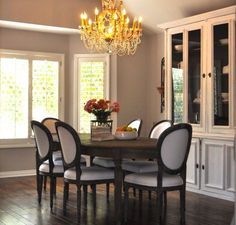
column 140, row 148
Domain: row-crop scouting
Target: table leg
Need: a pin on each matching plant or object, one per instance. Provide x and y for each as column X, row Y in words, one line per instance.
column 118, row 191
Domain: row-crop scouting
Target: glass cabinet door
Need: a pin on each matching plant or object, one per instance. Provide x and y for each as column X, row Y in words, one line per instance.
column 220, row 75
column 177, row 78
column 194, row 76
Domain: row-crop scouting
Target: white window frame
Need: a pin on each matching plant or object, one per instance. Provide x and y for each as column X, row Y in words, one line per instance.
column 88, row 58
column 32, row 55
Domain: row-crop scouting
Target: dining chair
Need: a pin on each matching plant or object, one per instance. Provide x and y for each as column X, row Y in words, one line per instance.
column 109, row 162
column 74, row 173
column 50, row 122
column 45, row 165
column 142, row 166
column 172, row 152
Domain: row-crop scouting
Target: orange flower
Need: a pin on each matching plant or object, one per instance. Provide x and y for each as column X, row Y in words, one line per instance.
column 101, row 106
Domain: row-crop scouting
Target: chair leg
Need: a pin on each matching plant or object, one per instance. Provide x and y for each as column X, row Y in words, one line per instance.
column 45, row 183
column 126, row 198
column 85, row 189
column 108, row 190
column 94, row 195
column 65, row 197
column 78, row 201
column 182, row 206
column 159, row 206
column 165, row 198
column 134, row 192
column 140, row 196
column 55, row 187
column 52, row 187
column 149, row 195
column 39, row 187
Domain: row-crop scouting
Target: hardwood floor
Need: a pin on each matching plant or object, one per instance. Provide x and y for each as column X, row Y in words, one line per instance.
column 19, row 206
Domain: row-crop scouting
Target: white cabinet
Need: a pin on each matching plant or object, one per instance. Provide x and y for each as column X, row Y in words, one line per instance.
column 200, row 89
column 218, row 167
column 210, row 168
column 193, row 165
column 200, row 71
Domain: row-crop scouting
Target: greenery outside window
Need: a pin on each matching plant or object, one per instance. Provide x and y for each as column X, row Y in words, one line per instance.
column 29, row 89
column 92, row 82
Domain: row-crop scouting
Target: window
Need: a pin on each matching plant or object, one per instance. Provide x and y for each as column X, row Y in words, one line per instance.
column 93, row 82
column 178, row 95
column 29, row 89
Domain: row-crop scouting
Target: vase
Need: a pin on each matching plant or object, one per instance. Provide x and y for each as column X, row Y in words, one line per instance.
column 102, row 118
column 101, row 129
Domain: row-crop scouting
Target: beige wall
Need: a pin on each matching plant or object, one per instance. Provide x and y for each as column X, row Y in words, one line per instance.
column 132, row 75
column 137, row 76
column 155, row 54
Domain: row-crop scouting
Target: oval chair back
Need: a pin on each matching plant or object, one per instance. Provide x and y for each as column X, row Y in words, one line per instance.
column 70, row 144
column 137, row 123
column 49, row 122
column 159, row 127
column 43, row 141
column 174, row 144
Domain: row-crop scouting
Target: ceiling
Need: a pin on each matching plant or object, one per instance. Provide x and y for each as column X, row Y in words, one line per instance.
column 64, row 17
column 156, row 12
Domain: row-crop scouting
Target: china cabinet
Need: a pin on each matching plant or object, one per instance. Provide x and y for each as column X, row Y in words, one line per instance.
column 200, row 89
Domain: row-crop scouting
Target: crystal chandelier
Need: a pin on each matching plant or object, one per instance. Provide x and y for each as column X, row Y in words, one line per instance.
column 110, row 31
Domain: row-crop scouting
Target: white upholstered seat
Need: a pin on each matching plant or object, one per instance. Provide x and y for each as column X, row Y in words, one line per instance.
column 140, row 166
column 90, row 173
column 104, row 162
column 58, row 167
column 150, row 179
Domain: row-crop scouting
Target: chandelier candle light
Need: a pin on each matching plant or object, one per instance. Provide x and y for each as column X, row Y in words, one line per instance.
column 110, row 31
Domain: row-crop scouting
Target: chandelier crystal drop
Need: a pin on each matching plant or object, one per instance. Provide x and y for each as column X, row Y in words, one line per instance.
column 110, row 31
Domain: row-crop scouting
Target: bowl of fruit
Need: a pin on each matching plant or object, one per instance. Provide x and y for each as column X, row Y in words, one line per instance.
column 126, row 133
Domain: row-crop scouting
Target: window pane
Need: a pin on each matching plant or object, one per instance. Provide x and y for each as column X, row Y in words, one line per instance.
column 178, row 101
column 220, row 75
column 177, row 78
column 45, row 89
column 194, row 76
column 91, row 86
column 13, row 98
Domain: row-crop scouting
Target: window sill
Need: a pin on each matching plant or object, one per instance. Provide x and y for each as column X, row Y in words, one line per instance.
column 16, row 145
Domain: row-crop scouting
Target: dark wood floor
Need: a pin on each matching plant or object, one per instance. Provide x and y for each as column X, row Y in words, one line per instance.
column 19, row 206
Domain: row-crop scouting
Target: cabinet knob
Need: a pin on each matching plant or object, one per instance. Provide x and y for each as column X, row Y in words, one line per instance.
column 209, row 74
column 203, row 75
column 203, row 167
column 197, row 166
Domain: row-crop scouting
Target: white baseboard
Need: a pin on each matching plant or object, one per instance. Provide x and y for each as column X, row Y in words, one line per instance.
column 20, row 173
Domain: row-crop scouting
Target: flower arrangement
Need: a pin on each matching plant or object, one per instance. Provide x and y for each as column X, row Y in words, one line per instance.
column 101, row 108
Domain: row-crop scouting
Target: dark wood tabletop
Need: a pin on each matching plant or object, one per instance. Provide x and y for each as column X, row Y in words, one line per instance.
column 139, row 148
